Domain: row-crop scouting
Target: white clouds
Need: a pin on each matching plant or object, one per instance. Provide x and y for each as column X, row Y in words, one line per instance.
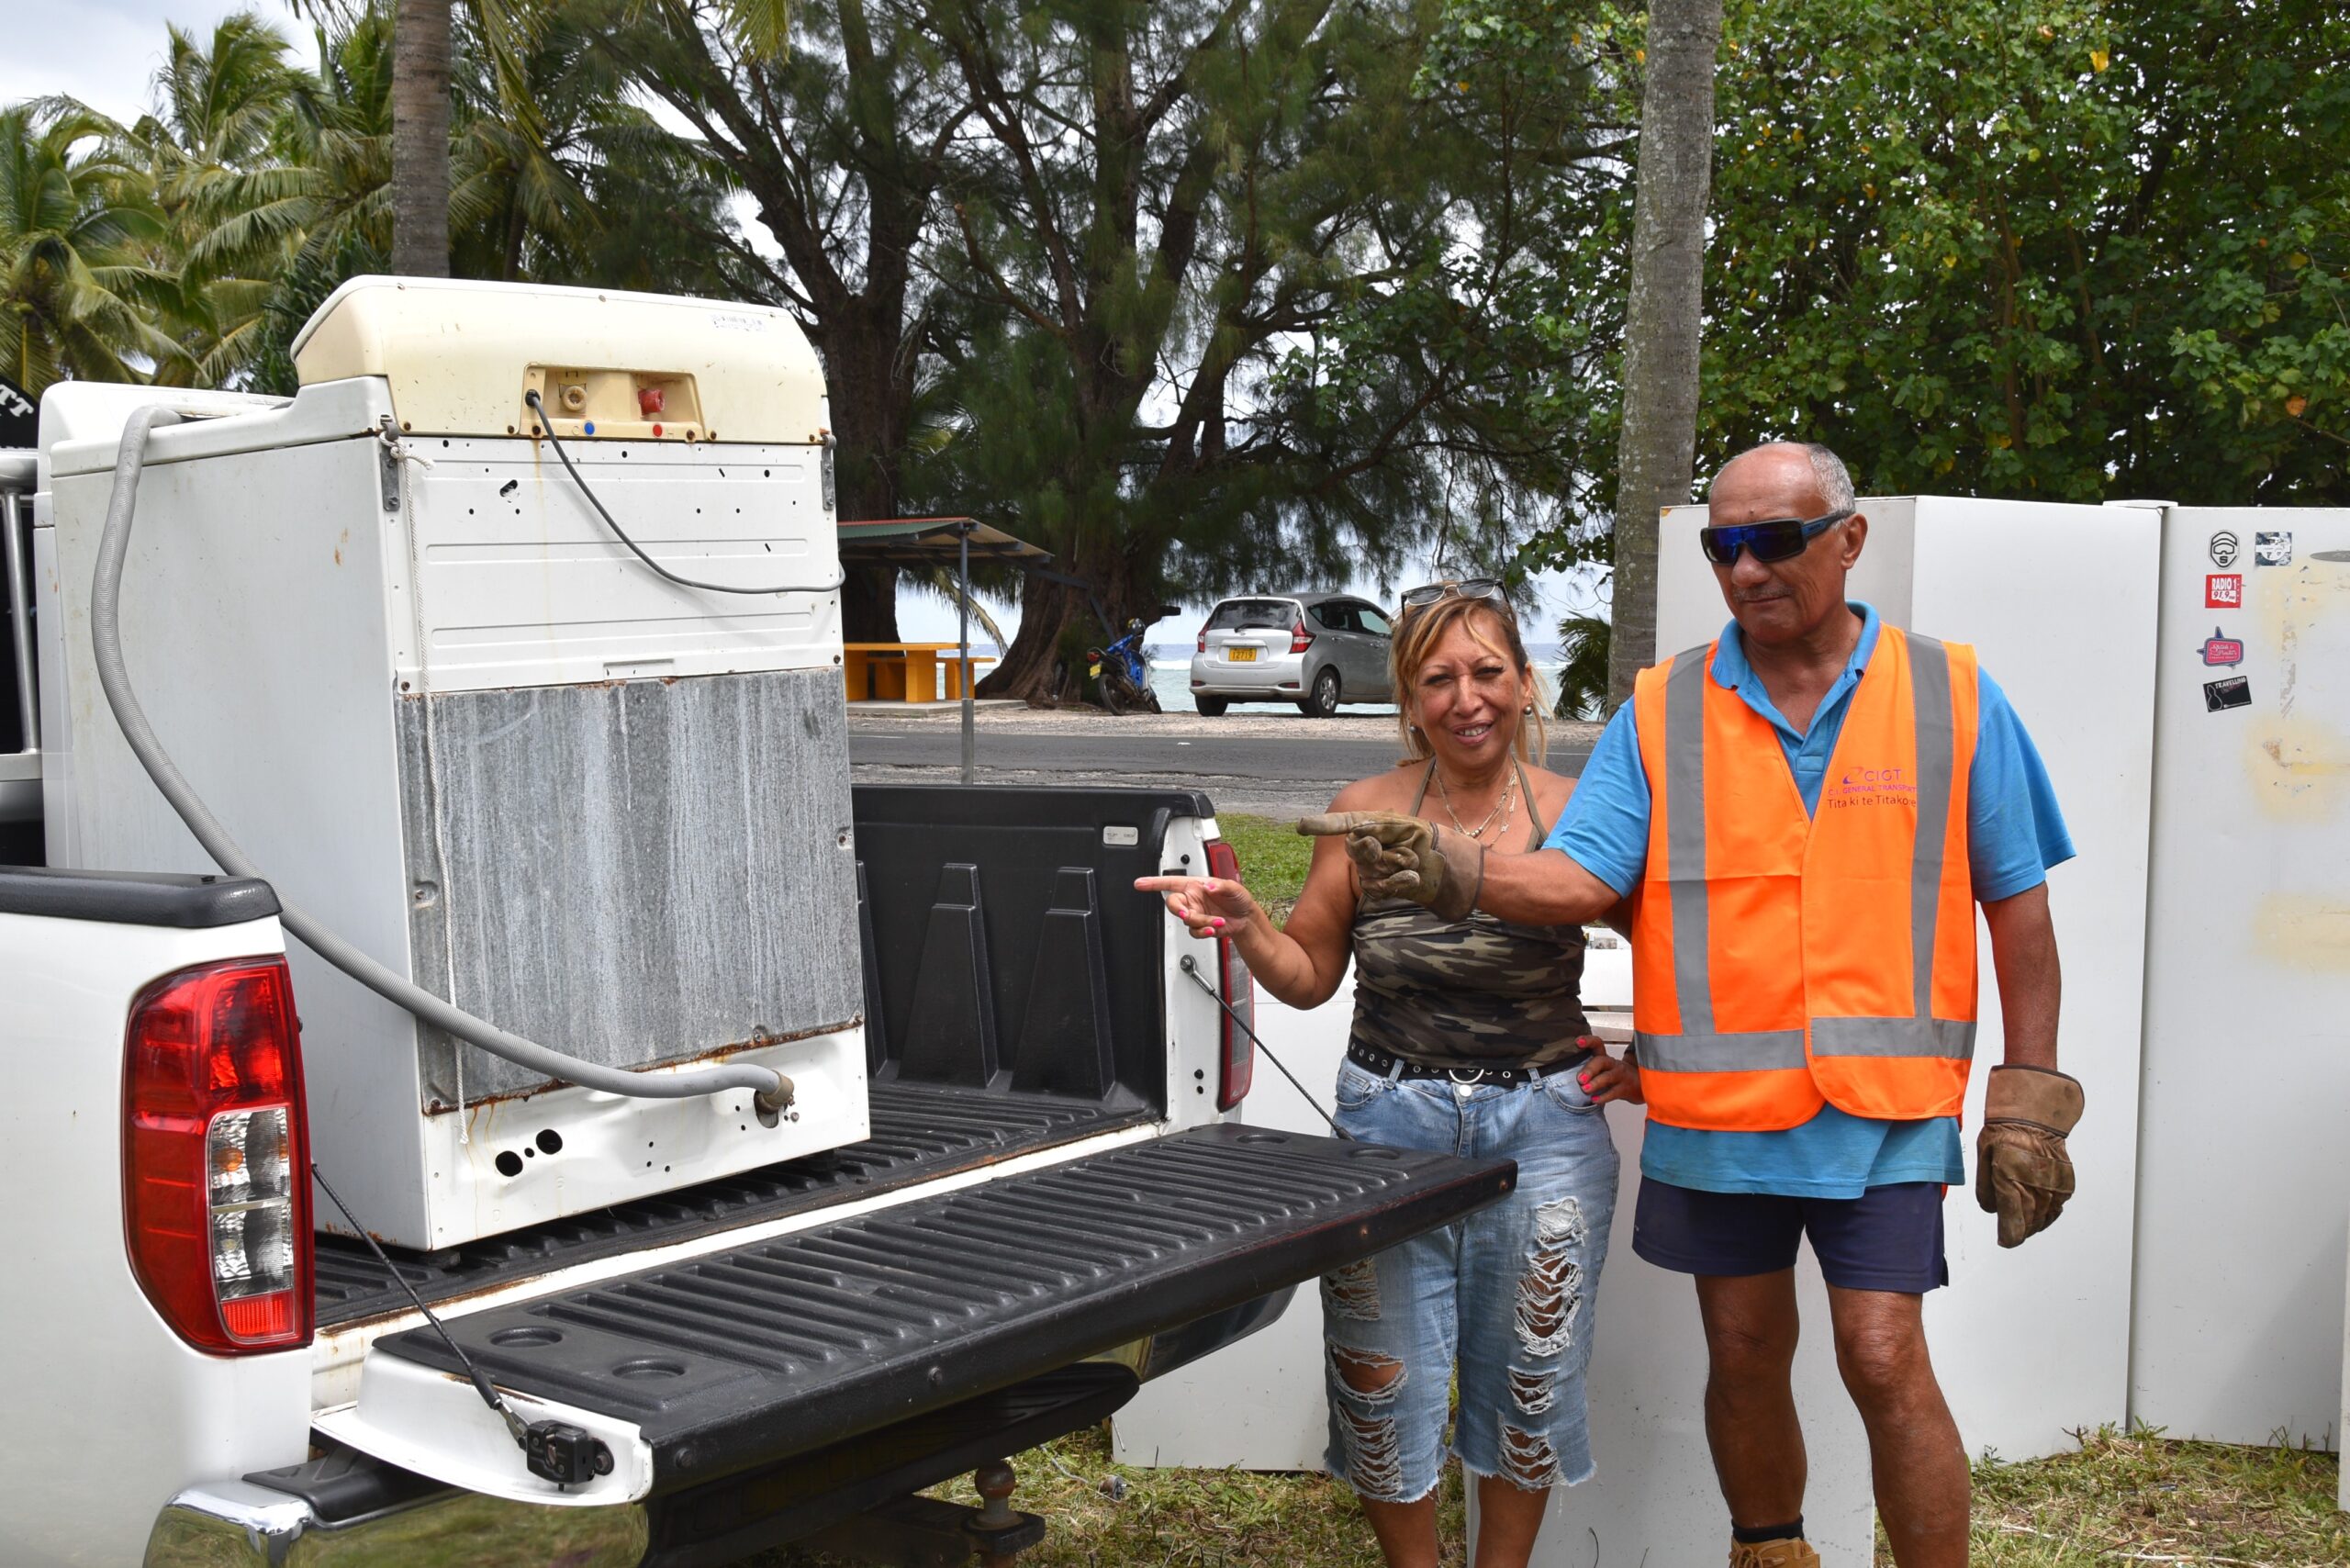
column 105, row 51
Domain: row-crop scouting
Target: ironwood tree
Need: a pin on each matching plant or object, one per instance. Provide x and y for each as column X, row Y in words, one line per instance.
column 1232, row 285
column 839, row 143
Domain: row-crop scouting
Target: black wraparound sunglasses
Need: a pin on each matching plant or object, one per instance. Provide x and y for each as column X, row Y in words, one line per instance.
column 1465, row 588
column 1778, row 538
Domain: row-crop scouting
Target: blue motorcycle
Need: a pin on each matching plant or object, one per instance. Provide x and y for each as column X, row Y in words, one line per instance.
column 1121, row 673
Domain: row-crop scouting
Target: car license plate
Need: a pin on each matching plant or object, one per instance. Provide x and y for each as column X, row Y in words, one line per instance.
column 1240, row 655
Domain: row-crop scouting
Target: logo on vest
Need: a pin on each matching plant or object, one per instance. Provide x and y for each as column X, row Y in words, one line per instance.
column 1862, row 785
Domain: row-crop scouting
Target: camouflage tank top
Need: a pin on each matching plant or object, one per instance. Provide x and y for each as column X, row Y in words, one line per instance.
column 1477, row 992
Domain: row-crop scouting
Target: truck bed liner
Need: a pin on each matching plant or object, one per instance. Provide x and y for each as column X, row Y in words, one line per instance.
column 921, row 1131
column 746, row 1357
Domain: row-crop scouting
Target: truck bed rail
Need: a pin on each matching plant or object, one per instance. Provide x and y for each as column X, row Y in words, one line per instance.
column 921, row 1131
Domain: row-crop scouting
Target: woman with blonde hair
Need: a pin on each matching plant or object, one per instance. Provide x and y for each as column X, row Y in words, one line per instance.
column 1468, row 1037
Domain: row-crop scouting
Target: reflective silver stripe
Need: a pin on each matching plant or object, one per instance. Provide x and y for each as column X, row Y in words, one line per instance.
column 1941, row 1038
column 1684, row 816
column 1756, row 1052
column 1937, row 757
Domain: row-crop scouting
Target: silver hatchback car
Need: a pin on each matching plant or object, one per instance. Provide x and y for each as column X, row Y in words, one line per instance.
column 1317, row 650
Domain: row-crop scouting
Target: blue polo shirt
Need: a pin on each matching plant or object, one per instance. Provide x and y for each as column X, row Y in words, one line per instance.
column 2014, row 834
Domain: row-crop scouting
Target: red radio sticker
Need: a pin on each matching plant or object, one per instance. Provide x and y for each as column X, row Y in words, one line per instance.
column 2223, row 590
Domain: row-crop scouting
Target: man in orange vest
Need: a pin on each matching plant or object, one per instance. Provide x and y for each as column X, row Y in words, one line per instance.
column 1799, row 819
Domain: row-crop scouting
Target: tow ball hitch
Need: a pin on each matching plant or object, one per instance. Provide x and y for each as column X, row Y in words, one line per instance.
column 996, row 1530
column 922, row 1532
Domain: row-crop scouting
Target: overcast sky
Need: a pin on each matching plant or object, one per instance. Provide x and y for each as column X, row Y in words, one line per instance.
column 105, row 51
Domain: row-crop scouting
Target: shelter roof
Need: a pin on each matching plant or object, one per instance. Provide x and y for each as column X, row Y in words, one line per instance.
column 924, row 541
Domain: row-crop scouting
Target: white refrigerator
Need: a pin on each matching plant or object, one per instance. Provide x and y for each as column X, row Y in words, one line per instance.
column 2242, row 1202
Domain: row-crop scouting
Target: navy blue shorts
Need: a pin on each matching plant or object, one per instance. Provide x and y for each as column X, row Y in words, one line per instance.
column 1888, row 1238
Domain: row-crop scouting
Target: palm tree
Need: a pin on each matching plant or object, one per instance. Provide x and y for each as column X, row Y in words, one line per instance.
column 336, row 148
column 79, row 295
column 211, row 152
column 1583, row 668
column 329, row 200
column 420, row 33
column 558, row 176
column 217, row 108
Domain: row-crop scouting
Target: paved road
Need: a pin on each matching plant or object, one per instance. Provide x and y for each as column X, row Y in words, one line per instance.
column 1269, row 766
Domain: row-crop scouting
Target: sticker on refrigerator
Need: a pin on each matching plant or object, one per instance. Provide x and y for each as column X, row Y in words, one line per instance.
column 2219, row 649
column 2235, row 691
column 2224, row 546
column 2223, row 590
column 2273, row 549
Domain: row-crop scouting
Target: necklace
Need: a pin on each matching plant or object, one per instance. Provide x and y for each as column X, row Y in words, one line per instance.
column 1501, row 807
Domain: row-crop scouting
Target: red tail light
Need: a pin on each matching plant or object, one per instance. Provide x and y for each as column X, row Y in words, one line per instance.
column 216, row 1157
column 1237, row 1059
column 1298, row 640
column 1203, row 640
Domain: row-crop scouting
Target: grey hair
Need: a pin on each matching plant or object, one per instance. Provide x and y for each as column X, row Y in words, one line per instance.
column 1834, row 479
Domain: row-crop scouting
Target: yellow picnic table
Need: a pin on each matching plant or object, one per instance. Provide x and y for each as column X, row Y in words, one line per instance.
column 905, row 672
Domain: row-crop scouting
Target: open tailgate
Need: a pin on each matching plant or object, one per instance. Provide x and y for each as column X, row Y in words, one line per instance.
column 744, row 1357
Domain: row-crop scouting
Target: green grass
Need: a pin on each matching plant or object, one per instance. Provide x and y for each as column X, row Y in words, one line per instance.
column 2139, row 1497
column 2121, row 1499
column 1273, row 857
column 1103, row 1514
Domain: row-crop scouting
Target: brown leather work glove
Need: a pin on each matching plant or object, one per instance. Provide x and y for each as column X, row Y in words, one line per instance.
column 1399, row 856
column 2021, row 1171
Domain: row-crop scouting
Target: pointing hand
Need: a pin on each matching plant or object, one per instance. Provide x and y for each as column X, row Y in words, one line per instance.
column 1211, row 906
column 1404, row 857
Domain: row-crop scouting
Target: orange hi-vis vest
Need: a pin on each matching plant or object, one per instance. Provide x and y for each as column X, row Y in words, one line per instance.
column 1784, row 959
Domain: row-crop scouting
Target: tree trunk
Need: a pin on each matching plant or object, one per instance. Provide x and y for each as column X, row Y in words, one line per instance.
column 1656, row 456
column 869, row 603
column 872, row 397
column 1048, row 609
column 420, row 138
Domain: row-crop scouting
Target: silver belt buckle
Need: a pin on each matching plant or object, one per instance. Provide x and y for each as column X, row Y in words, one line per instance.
column 1476, row 1076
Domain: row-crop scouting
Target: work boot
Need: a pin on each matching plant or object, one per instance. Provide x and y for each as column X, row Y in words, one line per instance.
column 1792, row 1551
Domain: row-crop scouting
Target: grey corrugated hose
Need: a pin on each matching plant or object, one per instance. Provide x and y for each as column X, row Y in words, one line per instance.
column 771, row 1090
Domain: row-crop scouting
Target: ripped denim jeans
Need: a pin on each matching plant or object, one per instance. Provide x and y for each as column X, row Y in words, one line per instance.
column 1506, row 1294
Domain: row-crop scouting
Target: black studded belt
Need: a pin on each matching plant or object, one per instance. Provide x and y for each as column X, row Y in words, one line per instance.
column 1389, row 1065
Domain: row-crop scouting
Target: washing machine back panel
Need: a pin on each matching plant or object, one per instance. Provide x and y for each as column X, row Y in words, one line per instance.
column 517, row 581
column 648, row 871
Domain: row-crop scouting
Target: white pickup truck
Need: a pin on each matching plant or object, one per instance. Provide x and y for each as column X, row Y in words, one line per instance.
column 1005, row 1185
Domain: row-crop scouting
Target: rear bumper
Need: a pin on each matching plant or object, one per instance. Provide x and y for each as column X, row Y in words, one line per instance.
column 237, row 1524
column 349, row 1511
column 1276, row 680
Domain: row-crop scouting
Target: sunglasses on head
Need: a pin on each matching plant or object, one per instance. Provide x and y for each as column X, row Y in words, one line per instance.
column 1778, row 538
column 1464, row 588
